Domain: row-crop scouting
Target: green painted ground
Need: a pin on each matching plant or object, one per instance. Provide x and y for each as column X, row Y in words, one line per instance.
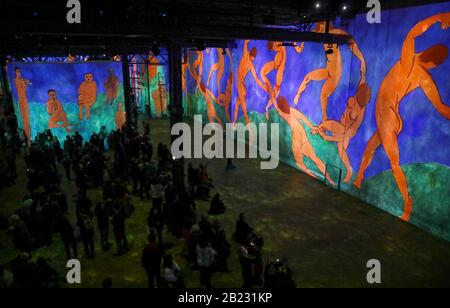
column 197, row 105
column 428, row 185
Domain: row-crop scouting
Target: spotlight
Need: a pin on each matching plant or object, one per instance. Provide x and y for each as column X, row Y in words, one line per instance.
column 317, row 5
column 345, row 7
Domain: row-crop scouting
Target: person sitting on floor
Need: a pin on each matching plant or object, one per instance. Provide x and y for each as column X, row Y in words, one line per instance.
column 217, row 205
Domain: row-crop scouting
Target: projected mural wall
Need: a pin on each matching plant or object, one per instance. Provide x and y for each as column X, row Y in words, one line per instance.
column 372, row 114
column 67, row 97
column 208, row 84
column 149, row 84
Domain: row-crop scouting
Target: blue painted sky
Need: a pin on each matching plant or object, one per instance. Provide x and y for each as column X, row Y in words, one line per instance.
column 64, row 78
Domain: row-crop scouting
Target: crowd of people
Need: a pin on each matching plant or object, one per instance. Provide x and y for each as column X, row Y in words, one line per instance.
column 11, row 141
column 122, row 165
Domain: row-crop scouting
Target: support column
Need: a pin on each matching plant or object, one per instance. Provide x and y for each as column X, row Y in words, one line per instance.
column 127, row 89
column 176, row 108
column 5, row 83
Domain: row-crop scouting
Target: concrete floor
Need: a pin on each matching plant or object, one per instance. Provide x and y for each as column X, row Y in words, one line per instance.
column 328, row 236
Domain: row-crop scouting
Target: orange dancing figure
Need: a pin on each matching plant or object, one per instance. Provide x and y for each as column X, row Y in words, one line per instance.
column 185, row 67
column 224, row 99
column 21, row 86
column 208, row 95
column 300, row 144
column 197, row 74
column 219, row 67
column 56, row 111
column 111, row 85
column 87, row 94
column 245, row 66
column 160, row 99
column 279, row 65
column 120, row 117
column 408, row 74
column 152, row 67
column 332, row 73
column 342, row 132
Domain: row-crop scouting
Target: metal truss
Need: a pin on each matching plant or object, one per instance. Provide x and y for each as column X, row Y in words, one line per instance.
column 136, row 58
column 54, row 59
column 146, row 59
column 305, row 27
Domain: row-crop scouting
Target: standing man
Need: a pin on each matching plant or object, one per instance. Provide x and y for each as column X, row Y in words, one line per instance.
column 102, row 211
column 151, row 261
column 206, row 257
column 118, row 217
